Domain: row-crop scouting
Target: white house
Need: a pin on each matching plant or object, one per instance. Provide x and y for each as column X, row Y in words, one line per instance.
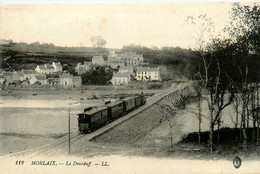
column 40, row 79
column 77, row 81
column 67, row 81
column 81, row 69
column 116, row 63
column 48, row 68
column 27, row 74
column 132, row 58
column 98, row 60
column 148, row 74
column 41, row 69
column 53, row 81
column 126, row 59
column 13, row 77
column 120, row 79
column 57, row 66
column 33, row 80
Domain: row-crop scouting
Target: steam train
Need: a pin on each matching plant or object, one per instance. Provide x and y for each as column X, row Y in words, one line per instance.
column 95, row 117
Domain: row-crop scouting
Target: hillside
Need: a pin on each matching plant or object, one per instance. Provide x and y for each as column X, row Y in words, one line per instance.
column 27, row 56
column 17, row 56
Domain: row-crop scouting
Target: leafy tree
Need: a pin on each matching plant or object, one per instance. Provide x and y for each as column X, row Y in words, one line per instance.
column 98, row 76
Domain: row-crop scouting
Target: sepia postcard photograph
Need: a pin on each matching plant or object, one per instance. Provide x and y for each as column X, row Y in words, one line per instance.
column 129, row 87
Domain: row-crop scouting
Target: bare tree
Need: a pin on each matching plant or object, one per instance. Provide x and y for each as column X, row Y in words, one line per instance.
column 235, row 104
column 198, row 87
column 93, row 41
column 169, row 112
column 98, row 41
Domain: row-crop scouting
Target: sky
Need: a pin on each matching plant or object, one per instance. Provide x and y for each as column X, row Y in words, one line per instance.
column 148, row 24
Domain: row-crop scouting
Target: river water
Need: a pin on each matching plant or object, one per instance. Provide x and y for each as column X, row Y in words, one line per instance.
column 41, row 116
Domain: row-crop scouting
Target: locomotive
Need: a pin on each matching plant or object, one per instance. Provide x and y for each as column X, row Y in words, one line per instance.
column 93, row 118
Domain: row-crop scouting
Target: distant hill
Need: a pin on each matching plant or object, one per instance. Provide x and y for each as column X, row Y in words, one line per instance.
column 51, row 49
column 27, row 56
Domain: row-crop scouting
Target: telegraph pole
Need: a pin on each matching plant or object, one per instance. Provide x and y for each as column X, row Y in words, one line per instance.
column 69, row 130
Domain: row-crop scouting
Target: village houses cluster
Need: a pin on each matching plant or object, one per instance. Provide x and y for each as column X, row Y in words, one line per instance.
column 48, row 74
column 128, row 67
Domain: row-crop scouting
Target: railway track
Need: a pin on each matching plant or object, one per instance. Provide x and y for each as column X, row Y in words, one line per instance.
column 51, row 149
column 46, row 148
column 62, row 143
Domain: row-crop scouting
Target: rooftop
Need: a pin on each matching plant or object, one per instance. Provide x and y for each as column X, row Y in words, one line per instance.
column 87, row 63
column 65, row 75
column 75, row 78
column 120, row 74
column 57, row 64
column 19, row 73
column 130, row 53
column 127, row 98
column 117, row 102
column 28, row 71
column 98, row 57
column 126, row 68
column 7, row 73
column 42, row 67
column 48, row 66
column 95, row 110
column 40, row 77
column 148, row 69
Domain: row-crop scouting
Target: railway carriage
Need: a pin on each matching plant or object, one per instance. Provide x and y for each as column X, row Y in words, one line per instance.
column 92, row 119
column 115, row 110
column 129, row 103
